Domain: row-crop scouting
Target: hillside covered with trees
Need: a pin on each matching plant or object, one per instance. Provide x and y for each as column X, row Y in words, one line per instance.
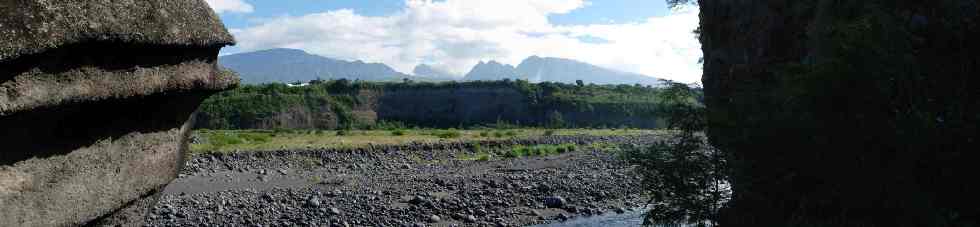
column 344, row 104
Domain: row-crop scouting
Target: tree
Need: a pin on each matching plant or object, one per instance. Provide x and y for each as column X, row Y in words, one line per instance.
column 689, row 179
column 555, row 120
column 580, row 83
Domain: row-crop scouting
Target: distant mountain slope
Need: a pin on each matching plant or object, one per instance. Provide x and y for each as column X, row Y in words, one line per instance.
column 538, row 69
column 428, row 72
column 491, row 71
column 289, row 65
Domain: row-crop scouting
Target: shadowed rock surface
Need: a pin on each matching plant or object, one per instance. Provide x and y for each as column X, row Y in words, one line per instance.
column 845, row 113
column 95, row 99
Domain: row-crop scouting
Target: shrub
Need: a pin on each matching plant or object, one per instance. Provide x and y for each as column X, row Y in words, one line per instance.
column 516, row 152
column 498, row 134
column 549, row 132
column 343, row 132
column 484, row 157
column 477, row 148
column 398, row 132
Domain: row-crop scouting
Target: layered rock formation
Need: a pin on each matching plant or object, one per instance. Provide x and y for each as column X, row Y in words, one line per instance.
column 95, row 99
column 845, row 113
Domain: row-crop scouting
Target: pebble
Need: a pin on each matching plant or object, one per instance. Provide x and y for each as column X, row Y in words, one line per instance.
column 554, row 202
column 620, row 210
column 484, row 199
column 434, row 219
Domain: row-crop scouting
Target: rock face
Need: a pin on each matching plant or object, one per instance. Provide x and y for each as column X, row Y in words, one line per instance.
column 95, row 99
column 845, row 113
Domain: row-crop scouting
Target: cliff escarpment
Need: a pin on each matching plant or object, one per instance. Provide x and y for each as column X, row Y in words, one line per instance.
column 95, row 102
column 342, row 104
column 845, row 113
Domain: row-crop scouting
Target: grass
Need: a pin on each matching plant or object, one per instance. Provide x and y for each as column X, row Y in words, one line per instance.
column 225, row 141
column 398, row 132
column 539, row 150
column 448, row 134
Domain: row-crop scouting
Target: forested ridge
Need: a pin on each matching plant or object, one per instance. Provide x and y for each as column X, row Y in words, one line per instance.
column 344, row 104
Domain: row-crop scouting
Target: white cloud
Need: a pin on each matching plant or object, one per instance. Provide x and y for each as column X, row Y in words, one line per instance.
column 456, row 34
column 234, row 6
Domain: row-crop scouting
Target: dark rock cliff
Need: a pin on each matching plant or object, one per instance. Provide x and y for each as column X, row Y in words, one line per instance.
column 458, row 105
column 845, row 113
column 95, row 99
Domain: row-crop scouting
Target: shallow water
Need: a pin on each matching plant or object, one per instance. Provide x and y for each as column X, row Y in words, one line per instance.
column 630, row 218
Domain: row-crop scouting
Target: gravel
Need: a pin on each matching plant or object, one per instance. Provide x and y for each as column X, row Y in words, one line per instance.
column 438, row 187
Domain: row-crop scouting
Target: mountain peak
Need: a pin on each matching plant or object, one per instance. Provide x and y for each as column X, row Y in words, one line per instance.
column 289, row 65
column 280, row 51
column 491, row 70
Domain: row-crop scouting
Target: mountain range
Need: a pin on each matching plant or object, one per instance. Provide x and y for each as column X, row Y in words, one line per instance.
column 538, row 69
column 289, row 65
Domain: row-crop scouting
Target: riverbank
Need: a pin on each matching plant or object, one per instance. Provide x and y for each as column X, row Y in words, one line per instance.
column 417, row 184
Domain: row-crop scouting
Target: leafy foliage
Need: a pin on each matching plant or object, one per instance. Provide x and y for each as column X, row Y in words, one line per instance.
column 687, row 178
column 335, row 104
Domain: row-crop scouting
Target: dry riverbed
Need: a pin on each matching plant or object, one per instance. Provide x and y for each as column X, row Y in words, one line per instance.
column 416, row 184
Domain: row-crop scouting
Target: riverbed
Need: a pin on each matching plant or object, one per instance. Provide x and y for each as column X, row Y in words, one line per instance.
column 403, row 186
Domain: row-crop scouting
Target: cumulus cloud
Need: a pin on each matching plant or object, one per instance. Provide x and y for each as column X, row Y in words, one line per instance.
column 454, row 35
column 234, row 6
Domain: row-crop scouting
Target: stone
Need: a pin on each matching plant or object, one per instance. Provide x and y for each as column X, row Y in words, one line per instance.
column 99, row 95
column 554, row 202
column 313, row 202
column 434, row 219
column 469, row 219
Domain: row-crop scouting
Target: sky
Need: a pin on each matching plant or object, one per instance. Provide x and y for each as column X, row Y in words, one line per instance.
column 640, row 36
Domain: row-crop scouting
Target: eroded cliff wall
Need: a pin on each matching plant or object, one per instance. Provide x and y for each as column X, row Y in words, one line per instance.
column 845, row 113
column 95, row 101
column 434, row 105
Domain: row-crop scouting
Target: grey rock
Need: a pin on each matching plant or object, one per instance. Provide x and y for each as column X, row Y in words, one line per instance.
column 554, row 202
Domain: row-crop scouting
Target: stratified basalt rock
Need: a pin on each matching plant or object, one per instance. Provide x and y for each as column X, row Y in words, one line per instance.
column 845, row 113
column 95, row 101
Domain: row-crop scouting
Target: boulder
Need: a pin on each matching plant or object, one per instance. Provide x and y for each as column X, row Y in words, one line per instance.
column 95, row 104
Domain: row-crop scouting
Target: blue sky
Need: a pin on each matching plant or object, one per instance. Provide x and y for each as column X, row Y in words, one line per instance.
column 641, row 36
column 604, row 11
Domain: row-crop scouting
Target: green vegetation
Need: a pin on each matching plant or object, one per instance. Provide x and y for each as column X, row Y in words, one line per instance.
column 539, row 150
column 224, row 141
column 344, row 104
column 448, row 134
column 687, row 177
column 398, row 132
